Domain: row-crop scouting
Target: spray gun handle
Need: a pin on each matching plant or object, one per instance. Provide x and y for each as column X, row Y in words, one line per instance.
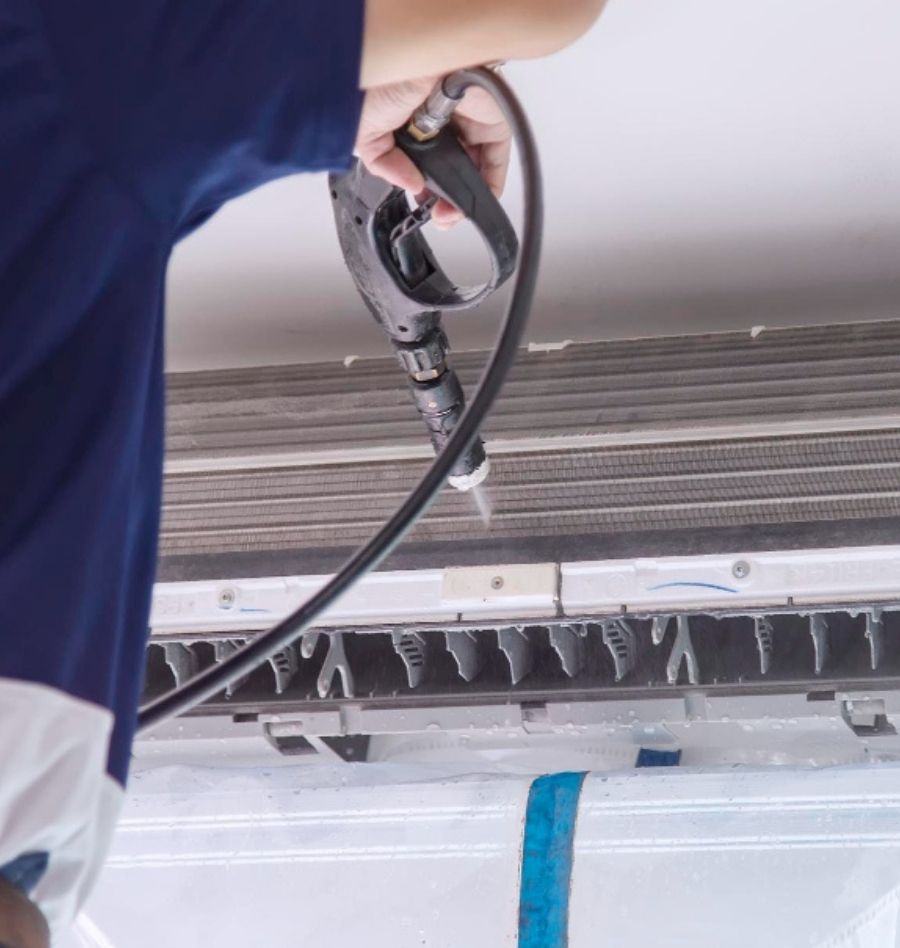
column 450, row 173
column 392, row 263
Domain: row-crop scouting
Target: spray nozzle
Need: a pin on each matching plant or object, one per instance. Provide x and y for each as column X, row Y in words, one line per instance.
column 440, row 401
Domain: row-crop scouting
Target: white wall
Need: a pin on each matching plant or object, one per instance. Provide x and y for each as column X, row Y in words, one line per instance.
column 709, row 165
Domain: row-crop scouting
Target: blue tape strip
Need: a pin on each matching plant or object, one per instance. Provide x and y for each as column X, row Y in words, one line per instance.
column 547, row 861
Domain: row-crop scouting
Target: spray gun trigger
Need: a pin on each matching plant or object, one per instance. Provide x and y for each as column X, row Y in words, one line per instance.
column 414, row 221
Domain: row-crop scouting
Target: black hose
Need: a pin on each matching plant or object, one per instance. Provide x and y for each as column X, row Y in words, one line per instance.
column 212, row 680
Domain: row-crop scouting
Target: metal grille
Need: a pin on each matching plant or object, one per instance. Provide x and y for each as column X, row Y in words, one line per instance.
column 654, row 445
column 554, row 661
column 664, row 487
column 650, row 388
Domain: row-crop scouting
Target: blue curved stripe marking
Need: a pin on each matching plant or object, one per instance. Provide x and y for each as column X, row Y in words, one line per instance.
column 547, row 860
column 724, row 589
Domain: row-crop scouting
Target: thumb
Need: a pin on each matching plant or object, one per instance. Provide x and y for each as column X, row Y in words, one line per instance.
column 383, row 158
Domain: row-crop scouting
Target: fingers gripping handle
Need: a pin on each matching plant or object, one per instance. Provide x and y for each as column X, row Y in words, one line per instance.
column 451, row 174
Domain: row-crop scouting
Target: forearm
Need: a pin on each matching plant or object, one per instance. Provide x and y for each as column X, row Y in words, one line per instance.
column 407, row 39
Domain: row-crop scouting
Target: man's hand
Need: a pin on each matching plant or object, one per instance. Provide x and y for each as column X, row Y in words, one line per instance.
column 477, row 121
column 405, row 39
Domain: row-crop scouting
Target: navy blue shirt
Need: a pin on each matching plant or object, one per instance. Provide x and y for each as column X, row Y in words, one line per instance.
column 123, row 125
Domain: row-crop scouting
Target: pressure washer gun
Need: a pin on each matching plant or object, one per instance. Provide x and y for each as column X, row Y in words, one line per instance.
column 406, row 290
column 398, row 276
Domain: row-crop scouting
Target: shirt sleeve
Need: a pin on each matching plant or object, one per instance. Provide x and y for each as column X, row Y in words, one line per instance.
column 192, row 102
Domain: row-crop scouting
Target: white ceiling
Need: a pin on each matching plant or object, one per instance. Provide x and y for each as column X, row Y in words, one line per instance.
column 708, row 165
